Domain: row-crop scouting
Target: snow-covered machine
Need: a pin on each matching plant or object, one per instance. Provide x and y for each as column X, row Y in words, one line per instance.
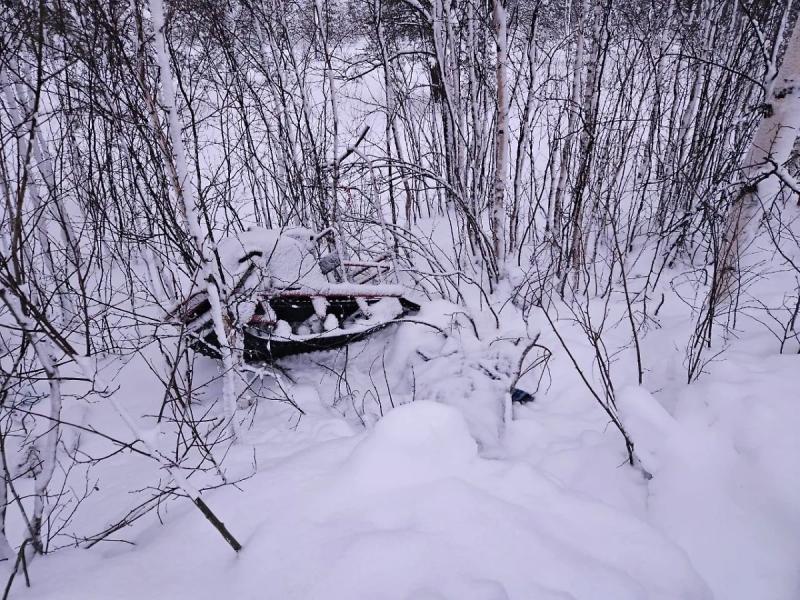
column 283, row 301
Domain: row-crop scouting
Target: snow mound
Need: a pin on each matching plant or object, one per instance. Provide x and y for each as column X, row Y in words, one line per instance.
column 649, row 424
column 414, row 443
column 711, row 491
column 407, row 511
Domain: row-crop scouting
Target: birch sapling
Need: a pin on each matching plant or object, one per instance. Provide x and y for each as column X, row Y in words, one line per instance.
column 586, row 144
column 557, row 204
column 46, row 451
column 391, row 110
column 524, row 134
column 498, row 219
column 185, row 196
column 769, row 150
column 25, row 151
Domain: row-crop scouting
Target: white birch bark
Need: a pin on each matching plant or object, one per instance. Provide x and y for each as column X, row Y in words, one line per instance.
column 520, row 161
column 478, row 119
column 185, row 196
column 25, row 147
column 44, row 164
column 444, row 38
column 337, row 224
column 770, row 148
column 48, row 443
column 589, row 100
column 6, row 551
column 572, row 119
column 501, row 138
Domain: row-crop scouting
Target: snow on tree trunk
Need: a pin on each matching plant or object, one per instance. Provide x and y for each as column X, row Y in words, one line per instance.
column 557, row 204
column 25, row 150
column 501, row 138
column 47, row 444
column 185, row 195
column 180, row 480
column 6, row 551
column 41, row 156
column 769, row 150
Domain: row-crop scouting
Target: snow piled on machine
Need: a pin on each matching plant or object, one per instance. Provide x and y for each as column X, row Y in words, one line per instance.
column 261, row 259
column 275, row 258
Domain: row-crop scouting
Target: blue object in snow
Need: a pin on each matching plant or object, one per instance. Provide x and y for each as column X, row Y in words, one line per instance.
column 521, row 396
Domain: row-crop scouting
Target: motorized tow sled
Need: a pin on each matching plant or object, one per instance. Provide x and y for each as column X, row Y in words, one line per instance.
column 283, row 302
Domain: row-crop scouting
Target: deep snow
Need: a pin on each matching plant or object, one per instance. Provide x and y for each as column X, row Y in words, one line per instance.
column 438, row 499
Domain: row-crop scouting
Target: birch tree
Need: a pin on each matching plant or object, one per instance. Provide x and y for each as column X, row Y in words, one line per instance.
column 184, row 194
column 769, row 150
column 498, row 216
column 558, row 193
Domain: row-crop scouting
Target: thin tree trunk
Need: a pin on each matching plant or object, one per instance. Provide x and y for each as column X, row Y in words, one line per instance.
column 45, row 352
column 769, row 150
column 185, row 196
column 498, row 215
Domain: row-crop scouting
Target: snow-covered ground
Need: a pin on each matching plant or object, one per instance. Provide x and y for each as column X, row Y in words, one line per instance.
column 398, row 468
column 437, row 499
